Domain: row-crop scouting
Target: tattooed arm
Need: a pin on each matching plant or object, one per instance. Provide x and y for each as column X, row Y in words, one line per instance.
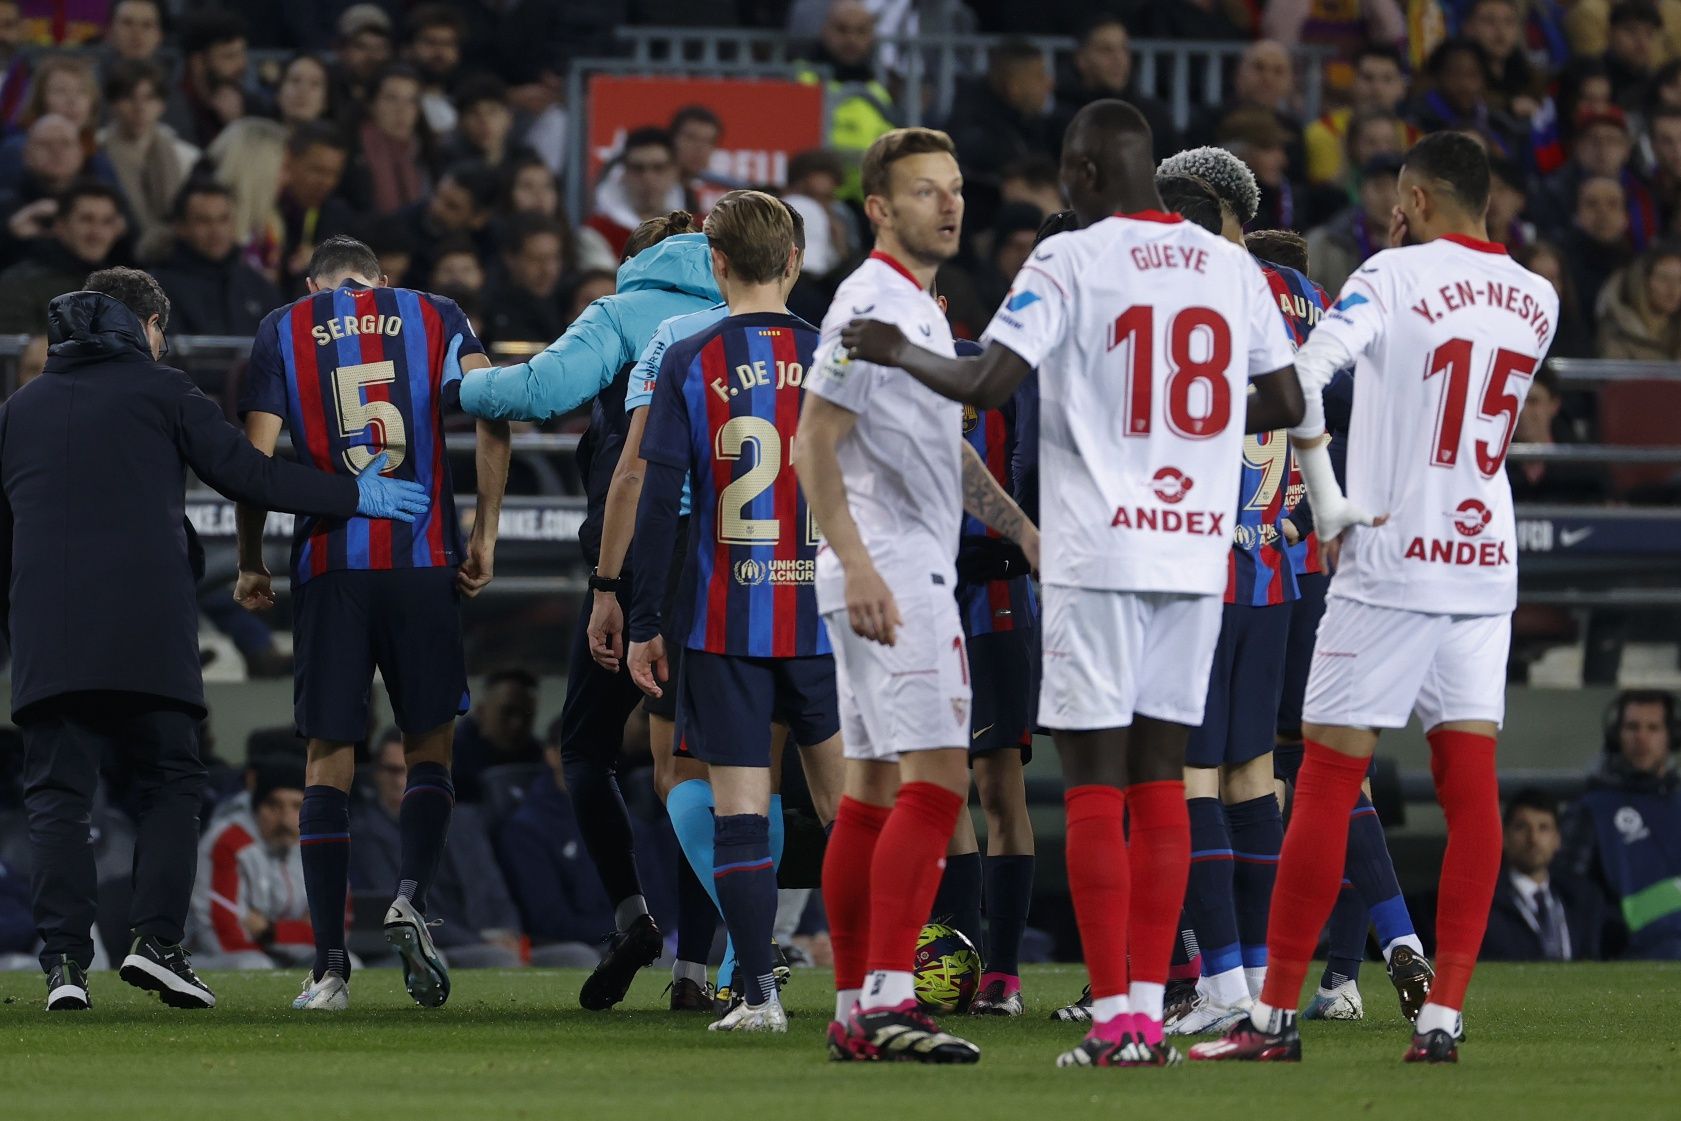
column 986, row 500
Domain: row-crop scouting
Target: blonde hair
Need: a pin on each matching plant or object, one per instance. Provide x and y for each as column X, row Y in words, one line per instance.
column 754, row 232
column 249, row 155
column 35, row 106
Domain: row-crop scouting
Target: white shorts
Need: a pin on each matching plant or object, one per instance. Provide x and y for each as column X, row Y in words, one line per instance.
column 1373, row 667
column 1111, row 655
column 911, row 696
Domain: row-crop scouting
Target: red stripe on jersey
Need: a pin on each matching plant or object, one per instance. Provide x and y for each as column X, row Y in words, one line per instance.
column 998, row 591
column 1276, row 551
column 313, row 413
column 716, row 369
column 371, row 346
column 785, row 623
column 435, row 377
column 893, row 263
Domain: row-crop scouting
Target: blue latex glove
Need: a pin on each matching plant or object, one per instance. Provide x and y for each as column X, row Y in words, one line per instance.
column 397, row 499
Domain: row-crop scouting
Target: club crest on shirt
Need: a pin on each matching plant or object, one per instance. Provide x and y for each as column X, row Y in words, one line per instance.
column 971, row 419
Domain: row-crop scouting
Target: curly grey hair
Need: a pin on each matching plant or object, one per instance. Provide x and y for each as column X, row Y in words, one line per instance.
column 1229, row 176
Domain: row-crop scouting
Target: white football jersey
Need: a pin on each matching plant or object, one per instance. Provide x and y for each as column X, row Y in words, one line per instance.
column 903, row 460
column 1446, row 337
column 1146, row 331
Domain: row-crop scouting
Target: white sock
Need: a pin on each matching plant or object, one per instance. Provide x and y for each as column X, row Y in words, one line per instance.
column 628, row 911
column 1255, row 976
column 1146, row 997
column 1266, row 1018
column 844, row 1000
column 888, row 988
column 1106, row 1008
column 1226, row 988
column 1408, row 940
column 689, row 971
column 1437, row 1017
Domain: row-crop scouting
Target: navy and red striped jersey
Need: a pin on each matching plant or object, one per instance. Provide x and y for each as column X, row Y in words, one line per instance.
column 354, row 372
column 994, row 605
column 725, row 409
column 1264, row 567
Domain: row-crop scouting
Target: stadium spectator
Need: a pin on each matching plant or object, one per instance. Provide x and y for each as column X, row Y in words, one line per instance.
column 528, row 187
column 1033, row 181
column 831, row 230
column 1597, row 244
column 309, row 207
column 1600, row 146
column 249, row 909
column 63, row 87
column 695, row 132
column 1539, row 914
column 1588, row 25
column 1256, row 137
column 1624, row 833
column 394, row 242
column 1495, row 28
column 212, row 92
column 150, row 161
column 391, row 166
column 498, row 730
column 1344, row 27
column 1008, row 244
column 1574, row 338
column 52, row 160
column 563, row 908
column 455, row 267
column 135, row 32
column 486, row 123
column 211, row 290
column 1265, row 79
column 642, row 184
column 1103, row 68
column 1455, row 99
column 1005, row 118
column 250, row 158
column 861, row 106
column 1663, row 144
column 1537, row 480
column 1345, row 242
column 86, row 226
column 1639, row 312
column 462, row 204
column 304, row 95
column 526, row 304
column 433, row 34
column 14, row 64
column 1507, row 200
column 1379, row 87
column 589, row 286
column 480, row 927
column 362, row 52
column 1633, row 50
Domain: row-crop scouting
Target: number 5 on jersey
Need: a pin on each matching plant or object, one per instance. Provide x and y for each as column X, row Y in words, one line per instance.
column 357, row 414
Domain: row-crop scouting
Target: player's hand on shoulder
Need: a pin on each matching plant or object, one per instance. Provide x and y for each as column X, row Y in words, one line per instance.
column 254, row 589
column 871, row 340
column 870, row 605
column 648, row 667
column 478, row 569
column 606, row 631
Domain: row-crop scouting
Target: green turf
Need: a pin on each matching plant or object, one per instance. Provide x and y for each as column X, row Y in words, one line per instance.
column 1574, row 1042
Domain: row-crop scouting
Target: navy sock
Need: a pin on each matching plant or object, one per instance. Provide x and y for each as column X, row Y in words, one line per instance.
column 1208, row 895
column 423, row 822
column 745, row 875
column 324, row 841
column 1345, row 939
column 1257, row 832
column 957, row 902
column 1372, row 873
column 604, row 822
column 697, row 917
column 1009, row 894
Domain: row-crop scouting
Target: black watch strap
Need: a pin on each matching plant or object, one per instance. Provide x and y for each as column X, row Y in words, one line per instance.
column 606, row 584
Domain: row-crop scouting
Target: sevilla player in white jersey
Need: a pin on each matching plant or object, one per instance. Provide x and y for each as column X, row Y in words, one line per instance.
column 1445, row 334
column 887, row 475
column 1148, row 333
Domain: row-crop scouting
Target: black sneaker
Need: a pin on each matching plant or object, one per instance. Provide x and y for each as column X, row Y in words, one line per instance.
column 780, row 968
column 905, row 1034
column 627, row 951
column 167, row 971
column 1248, row 1043
column 1077, row 1013
column 1177, row 1001
column 67, row 987
column 1433, row 1047
column 1412, row 977
column 690, row 996
column 1129, row 1051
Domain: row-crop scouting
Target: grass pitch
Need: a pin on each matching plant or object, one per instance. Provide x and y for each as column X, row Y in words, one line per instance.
column 1582, row 1041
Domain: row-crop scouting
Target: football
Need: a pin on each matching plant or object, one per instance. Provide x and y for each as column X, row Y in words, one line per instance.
column 948, row 969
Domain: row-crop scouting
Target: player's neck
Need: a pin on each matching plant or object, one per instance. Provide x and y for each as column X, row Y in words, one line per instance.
column 922, row 271
column 749, row 300
column 1464, row 226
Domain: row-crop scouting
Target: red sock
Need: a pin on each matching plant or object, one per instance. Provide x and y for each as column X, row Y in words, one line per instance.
column 1100, row 882
column 906, row 872
column 846, row 886
column 1463, row 766
column 1159, row 852
column 1309, row 867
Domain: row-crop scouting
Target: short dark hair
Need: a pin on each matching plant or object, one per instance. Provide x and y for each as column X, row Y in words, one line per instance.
column 478, row 179
column 700, row 113
column 1193, row 199
column 427, row 16
column 521, row 228
column 513, row 675
column 451, row 244
column 1011, row 53
column 1636, row 11
column 1097, row 23
column 138, row 291
column 316, row 134
column 1381, row 51
column 1457, row 160
column 1619, row 709
column 1438, row 60
column 891, row 147
column 193, row 188
column 478, row 88
column 210, row 28
column 649, row 136
column 1035, row 171
column 1530, row 798
column 816, row 161
column 129, row 74
column 343, row 253
column 400, row 70
column 87, row 189
column 1279, row 247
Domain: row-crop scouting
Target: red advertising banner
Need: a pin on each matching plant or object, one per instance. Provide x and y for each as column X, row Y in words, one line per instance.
column 765, row 122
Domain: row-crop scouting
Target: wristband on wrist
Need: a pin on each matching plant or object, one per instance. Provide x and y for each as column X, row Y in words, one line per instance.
column 600, row 583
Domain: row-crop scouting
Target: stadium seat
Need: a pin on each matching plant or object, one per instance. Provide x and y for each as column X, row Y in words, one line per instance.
column 1641, row 413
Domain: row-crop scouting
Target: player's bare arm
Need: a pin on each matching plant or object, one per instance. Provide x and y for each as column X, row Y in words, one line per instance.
column 869, row 604
column 986, row 500
column 1276, row 402
column 985, row 381
column 607, row 619
column 254, row 588
column 492, row 451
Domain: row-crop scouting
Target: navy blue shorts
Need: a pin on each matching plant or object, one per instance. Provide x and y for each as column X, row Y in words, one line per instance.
column 1305, row 614
column 726, row 704
column 676, row 630
column 1004, row 676
column 406, row 622
column 1248, row 671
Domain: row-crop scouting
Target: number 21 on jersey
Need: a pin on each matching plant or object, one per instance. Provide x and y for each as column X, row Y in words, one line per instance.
column 734, row 527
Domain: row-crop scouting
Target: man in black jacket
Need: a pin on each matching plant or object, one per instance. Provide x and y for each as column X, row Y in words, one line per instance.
column 98, row 566
column 1540, row 914
column 211, row 290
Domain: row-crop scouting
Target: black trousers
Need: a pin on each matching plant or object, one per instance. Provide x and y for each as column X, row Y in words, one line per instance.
column 64, row 741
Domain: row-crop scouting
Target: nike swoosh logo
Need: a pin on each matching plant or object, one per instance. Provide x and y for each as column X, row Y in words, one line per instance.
column 862, row 310
column 927, row 331
column 1043, row 256
column 977, row 735
column 1572, row 537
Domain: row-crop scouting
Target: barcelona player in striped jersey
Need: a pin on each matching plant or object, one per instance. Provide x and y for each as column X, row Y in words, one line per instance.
column 724, row 413
column 361, row 376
